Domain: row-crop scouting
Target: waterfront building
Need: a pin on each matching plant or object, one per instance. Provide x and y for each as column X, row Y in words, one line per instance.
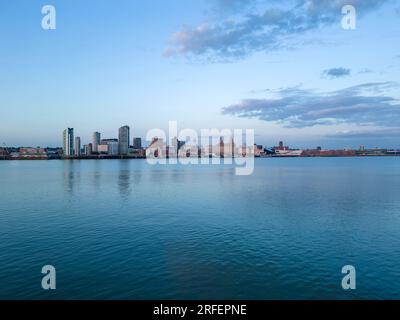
column 327, row 153
column 112, row 146
column 137, row 143
column 68, row 142
column 173, row 148
column 96, row 141
column 226, row 149
column 4, row 152
column 123, row 140
column 281, row 147
column 157, row 149
column 88, row 149
column 32, row 153
column 285, row 151
column 138, row 153
column 54, row 153
column 77, row 146
column 102, row 149
column 258, row 150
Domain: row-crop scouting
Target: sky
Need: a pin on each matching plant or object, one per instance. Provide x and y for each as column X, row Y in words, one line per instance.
column 287, row 69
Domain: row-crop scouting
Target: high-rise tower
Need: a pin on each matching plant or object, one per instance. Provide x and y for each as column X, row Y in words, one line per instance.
column 68, row 142
column 123, row 140
column 96, row 141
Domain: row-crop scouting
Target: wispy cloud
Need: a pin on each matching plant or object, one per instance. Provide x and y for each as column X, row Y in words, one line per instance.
column 365, row 104
column 370, row 133
column 336, row 73
column 273, row 28
column 364, row 71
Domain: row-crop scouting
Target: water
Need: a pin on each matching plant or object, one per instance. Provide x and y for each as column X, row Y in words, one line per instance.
column 121, row 229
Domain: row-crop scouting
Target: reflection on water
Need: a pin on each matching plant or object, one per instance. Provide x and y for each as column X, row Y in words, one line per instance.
column 69, row 176
column 124, row 178
column 97, row 174
column 124, row 229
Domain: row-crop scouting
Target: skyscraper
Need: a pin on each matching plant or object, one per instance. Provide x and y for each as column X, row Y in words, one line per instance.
column 77, row 146
column 68, row 142
column 96, row 141
column 123, row 140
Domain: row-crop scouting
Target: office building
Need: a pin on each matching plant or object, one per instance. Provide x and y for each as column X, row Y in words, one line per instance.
column 112, row 146
column 123, row 140
column 96, row 141
column 137, row 143
column 88, row 149
column 68, row 142
column 77, row 146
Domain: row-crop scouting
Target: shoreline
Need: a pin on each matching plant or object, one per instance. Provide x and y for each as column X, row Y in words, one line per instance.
column 144, row 158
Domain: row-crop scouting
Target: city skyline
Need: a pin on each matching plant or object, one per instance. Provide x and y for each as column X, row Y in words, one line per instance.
column 312, row 84
column 125, row 144
column 69, row 140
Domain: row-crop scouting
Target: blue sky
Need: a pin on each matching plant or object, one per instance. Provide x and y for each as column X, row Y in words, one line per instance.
column 285, row 68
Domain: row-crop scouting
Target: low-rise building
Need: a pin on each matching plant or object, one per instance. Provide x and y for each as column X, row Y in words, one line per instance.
column 328, row 153
column 31, row 153
column 258, row 151
column 103, row 149
column 4, row 154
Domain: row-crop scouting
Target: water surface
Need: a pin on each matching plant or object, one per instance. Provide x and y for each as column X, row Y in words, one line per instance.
column 121, row 229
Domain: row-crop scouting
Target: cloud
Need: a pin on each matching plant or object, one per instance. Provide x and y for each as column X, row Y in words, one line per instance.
column 336, row 73
column 365, row 71
column 273, row 28
column 371, row 133
column 365, row 104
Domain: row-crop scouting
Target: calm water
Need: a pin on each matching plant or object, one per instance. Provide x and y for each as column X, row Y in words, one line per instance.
column 123, row 229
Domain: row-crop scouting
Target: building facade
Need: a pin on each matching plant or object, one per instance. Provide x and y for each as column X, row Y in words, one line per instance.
column 103, row 149
column 68, row 142
column 137, row 143
column 77, row 146
column 112, row 146
column 157, row 149
column 32, row 153
column 88, row 149
column 123, row 140
column 96, row 141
